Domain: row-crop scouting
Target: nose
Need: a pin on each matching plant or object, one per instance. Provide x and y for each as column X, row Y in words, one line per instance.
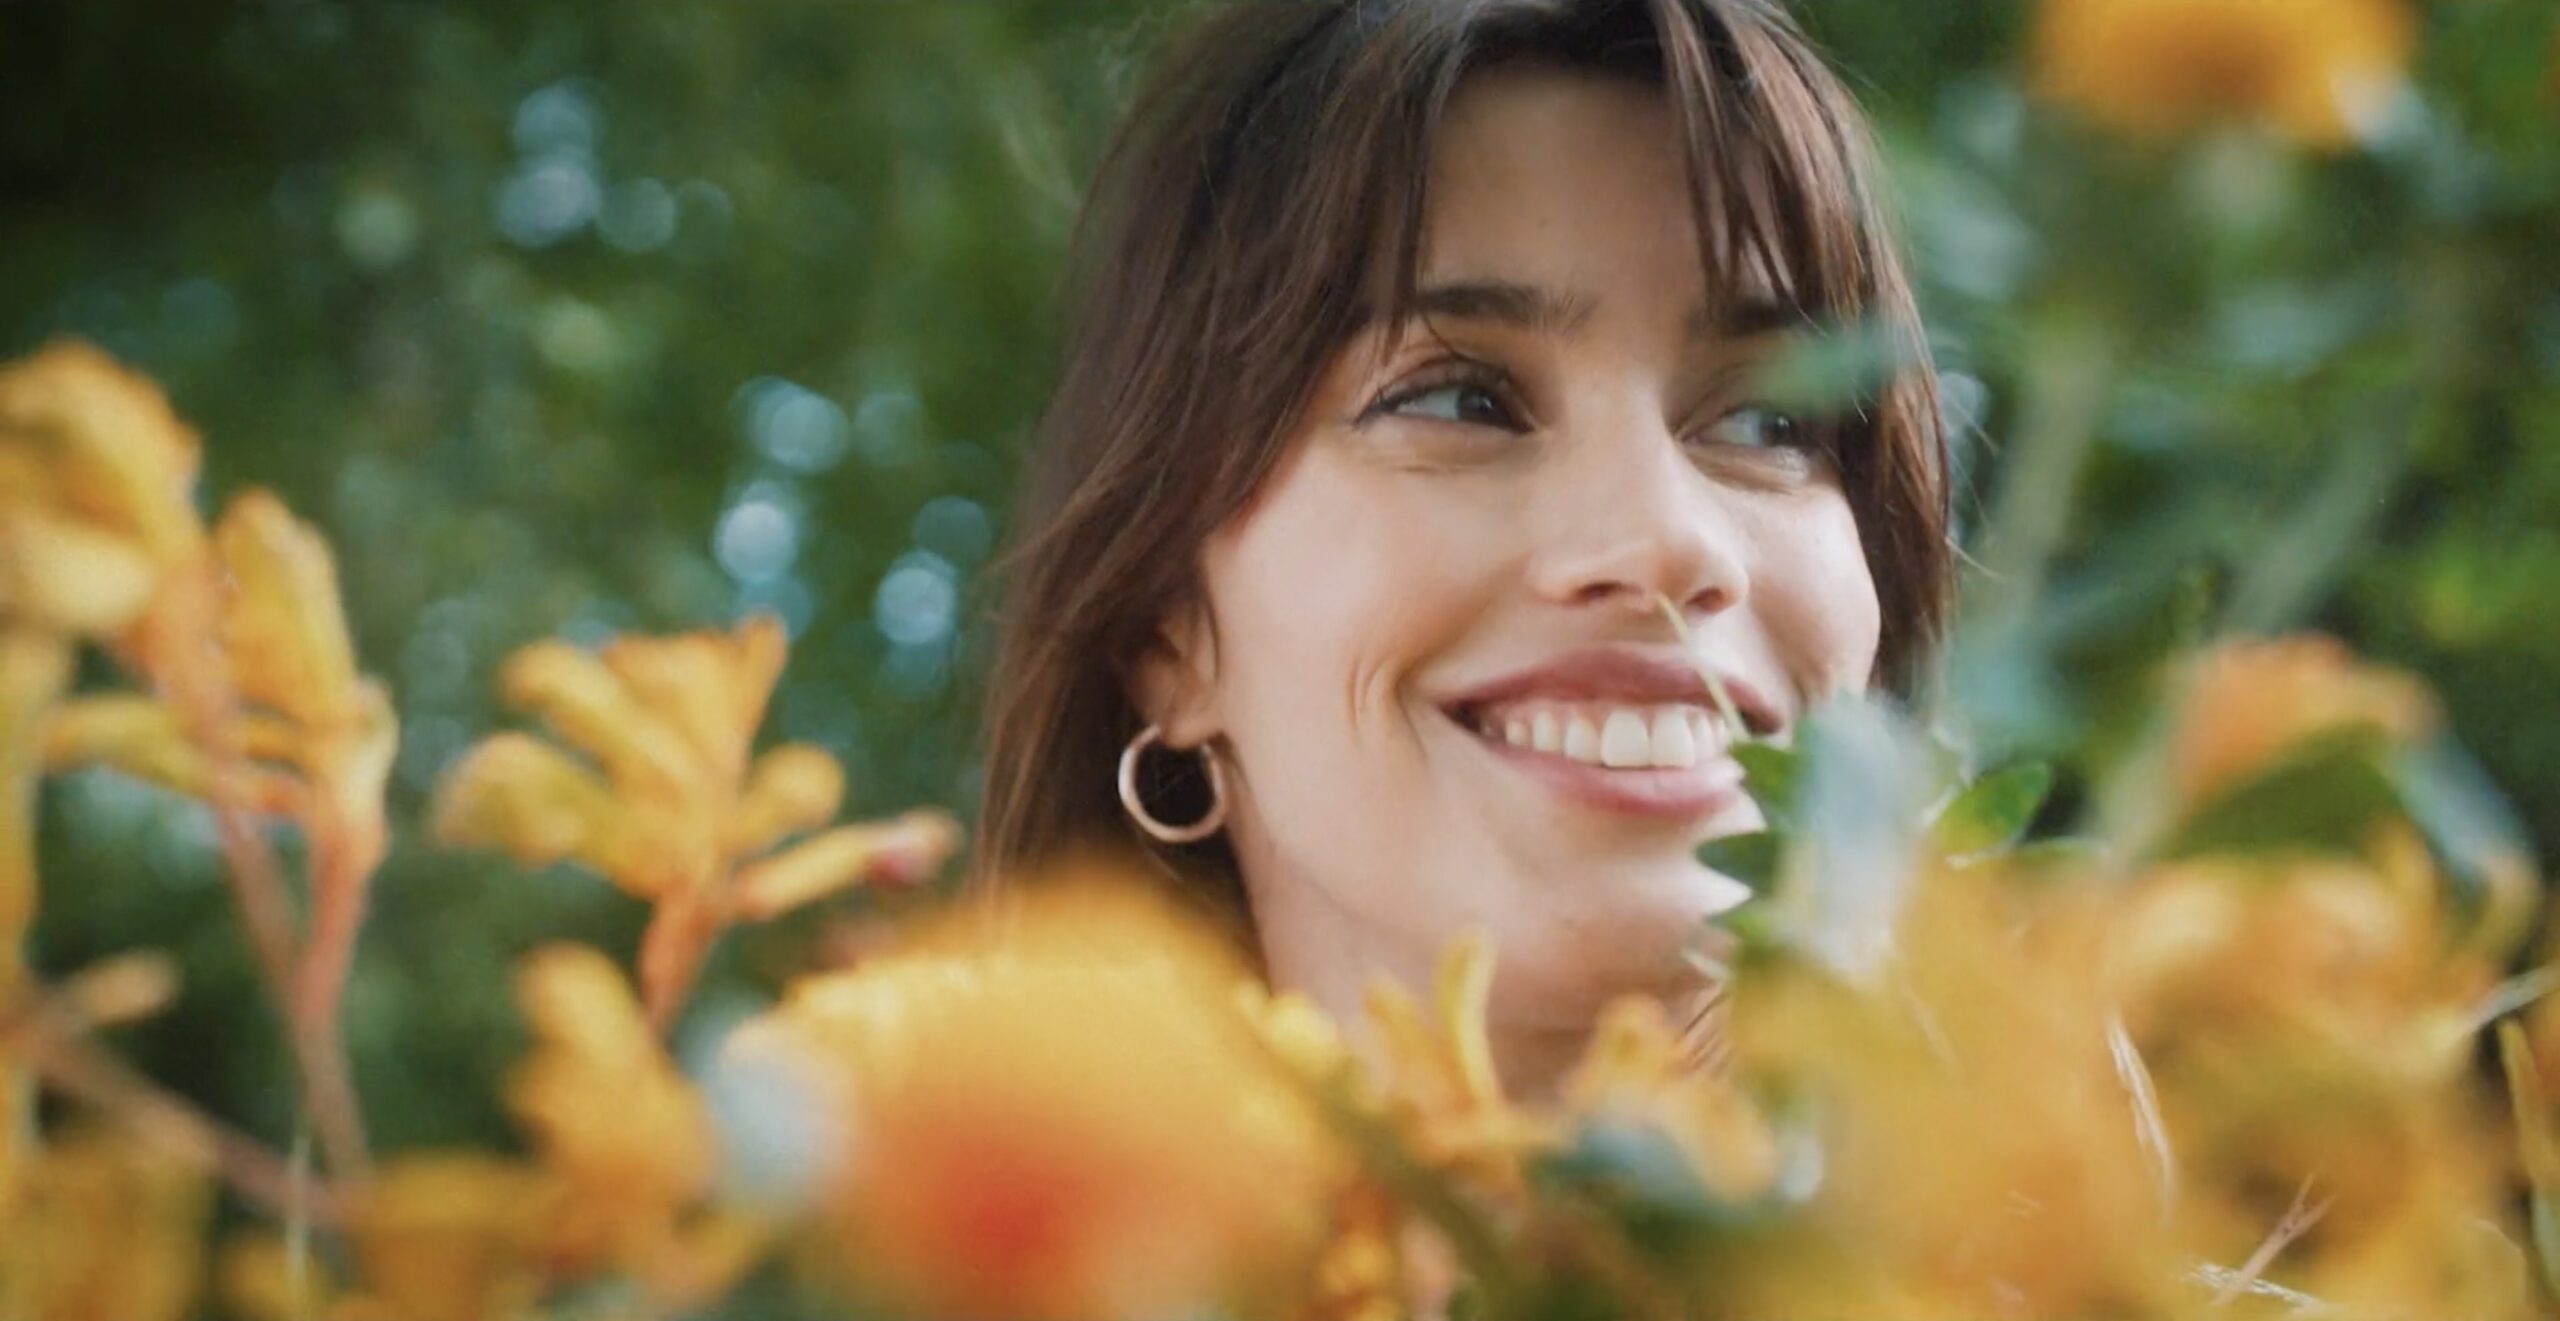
column 1629, row 517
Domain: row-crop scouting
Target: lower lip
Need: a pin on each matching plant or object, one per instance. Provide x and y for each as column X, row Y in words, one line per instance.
column 1686, row 794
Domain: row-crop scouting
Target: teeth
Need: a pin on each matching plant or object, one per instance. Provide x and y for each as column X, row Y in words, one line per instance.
column 1673, row 737
column 1626, row 740
column 1582, row 740
column 1674, row 746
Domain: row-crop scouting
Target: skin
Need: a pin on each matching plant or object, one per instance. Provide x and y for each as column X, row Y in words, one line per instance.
column 1474, row 494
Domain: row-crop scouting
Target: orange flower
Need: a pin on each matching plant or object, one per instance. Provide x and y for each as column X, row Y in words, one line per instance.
column 1982, row 1154
column 97, row 480
column 1050, row 1107
column 2248, row 704
column 257, row 705
column 106, row 1228
column 1638, row 1071
column 2316, row 71
column 1436, row 1072
column 2309, row 1023
column 2342, row 955
column 618, row 1187
column 610, row 1117
column 97, row 483
column 665, row 801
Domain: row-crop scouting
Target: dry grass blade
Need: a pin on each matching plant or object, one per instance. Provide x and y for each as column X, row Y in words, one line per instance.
column 1725, row 710
column 2148, row 1127
column 2297, row 1221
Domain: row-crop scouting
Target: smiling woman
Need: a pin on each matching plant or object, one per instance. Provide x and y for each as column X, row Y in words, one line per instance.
column 1417, row 363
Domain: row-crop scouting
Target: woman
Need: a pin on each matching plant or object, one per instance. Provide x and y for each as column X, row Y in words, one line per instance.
column 1411, row 380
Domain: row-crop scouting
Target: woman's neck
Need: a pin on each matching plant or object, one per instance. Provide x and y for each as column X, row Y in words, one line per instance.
column 1333, row 957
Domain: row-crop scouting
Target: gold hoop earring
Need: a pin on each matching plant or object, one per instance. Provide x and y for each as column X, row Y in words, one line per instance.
column 1136, row 807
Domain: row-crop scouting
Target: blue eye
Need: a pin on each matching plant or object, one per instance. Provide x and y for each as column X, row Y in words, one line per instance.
column 1758, row 428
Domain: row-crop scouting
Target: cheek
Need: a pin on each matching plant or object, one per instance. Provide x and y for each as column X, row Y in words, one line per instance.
column 1816, row 596
column 1329, row 595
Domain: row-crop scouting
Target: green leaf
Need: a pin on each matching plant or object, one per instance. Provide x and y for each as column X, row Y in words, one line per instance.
column 1751, row 859
column 2323, row 798
column 2469, row 828
column 1993, row 811
column 1770, row 776
column 1832, row 371
column 2063, row 852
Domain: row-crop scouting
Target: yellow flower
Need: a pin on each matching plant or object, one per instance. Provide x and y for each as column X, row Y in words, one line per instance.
column 2316, row 71
column 2337, row 954
column 97, row 477
column 1638, row 1071
column 2308, row 1026
column 2248, row 704
column 105, row 1227
column 628, row 1140
column 1049, row 1106
column 661, row 797
column 1437, row 1073
column 449, row 1236
column 1982, row 1154
column 617, row 1188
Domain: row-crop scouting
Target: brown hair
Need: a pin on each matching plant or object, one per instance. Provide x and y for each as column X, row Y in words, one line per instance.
column 1269, row 172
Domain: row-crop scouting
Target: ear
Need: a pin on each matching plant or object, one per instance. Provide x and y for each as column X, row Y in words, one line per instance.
column 1174, row 683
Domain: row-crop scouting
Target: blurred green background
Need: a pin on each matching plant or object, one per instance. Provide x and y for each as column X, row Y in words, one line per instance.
column 574, row 318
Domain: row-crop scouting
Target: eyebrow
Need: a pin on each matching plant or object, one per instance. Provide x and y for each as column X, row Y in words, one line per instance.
column 1556, row 312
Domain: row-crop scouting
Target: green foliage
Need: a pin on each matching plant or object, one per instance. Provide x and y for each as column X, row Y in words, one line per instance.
column 1994, row 811
column 2323, row 797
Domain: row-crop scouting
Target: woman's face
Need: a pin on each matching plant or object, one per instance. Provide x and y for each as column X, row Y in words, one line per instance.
column 1432, row 655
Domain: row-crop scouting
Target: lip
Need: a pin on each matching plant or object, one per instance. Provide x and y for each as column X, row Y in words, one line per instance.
column 1691, row 793
column 1635, row 676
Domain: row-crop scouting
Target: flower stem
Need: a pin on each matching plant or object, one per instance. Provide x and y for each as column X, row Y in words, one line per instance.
column 34, row 668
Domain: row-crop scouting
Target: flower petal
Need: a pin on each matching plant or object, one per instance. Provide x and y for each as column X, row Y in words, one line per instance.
column 592, row 708
column 793, row 788
column 281, row 622
column 902, row 851
column 538, row 805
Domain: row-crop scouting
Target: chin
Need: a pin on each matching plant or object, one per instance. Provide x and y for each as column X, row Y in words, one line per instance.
column 1598, row 931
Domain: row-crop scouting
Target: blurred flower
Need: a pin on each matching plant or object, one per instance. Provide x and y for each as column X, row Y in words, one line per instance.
column 2317, row 71
column 617, row 1188
column 1981, row 1151
column 435, row 1236
column 1639, row 1071
column 2247, row 704
column 1361, row 1273
column 105, row 1227
column 1049, row 1106
column 2309, row 1025
column 609, row 1115
column 666, row 802
column 2338, row 954
column 1437, row 1073
column 257, row 705
column 97, row 481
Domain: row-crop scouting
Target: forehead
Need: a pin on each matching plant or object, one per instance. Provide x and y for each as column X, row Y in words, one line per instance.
column 1570, row 179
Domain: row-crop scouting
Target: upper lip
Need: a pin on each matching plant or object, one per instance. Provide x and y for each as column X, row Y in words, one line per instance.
column 1630, row 675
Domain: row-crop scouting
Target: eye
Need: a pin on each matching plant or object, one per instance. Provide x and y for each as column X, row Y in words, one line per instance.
column 1759, row 428
column 1468, row 400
